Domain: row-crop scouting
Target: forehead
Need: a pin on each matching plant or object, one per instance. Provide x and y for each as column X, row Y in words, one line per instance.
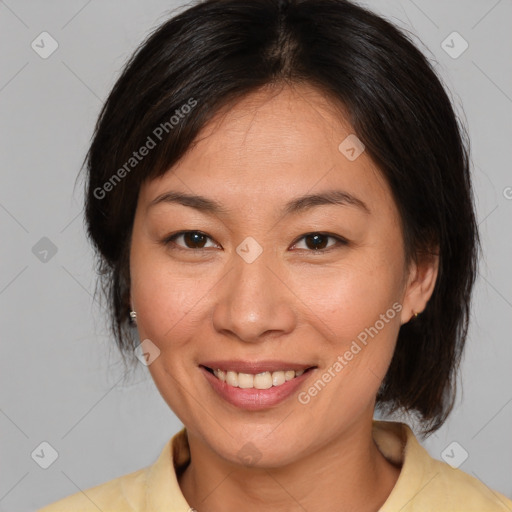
column 270, row 146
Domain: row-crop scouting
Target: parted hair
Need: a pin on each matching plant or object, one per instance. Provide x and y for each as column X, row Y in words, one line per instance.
column 210, row 55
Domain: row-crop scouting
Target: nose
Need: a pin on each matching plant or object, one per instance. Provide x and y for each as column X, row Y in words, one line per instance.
column 255, row 301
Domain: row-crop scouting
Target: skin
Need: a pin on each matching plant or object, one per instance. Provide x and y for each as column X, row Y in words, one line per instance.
column 292, row 303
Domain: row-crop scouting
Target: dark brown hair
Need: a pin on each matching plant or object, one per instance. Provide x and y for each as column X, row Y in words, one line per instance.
column 216, row 52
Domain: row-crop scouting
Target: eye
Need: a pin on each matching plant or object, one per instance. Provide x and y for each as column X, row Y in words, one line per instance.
column 192, row 239
column 195, row 240
column 316, row 242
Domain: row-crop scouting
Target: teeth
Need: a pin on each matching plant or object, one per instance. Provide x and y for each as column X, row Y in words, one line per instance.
column 232, row 379
column 245, row 380
column 289, row 375
column 278, row 378
column 264, row 380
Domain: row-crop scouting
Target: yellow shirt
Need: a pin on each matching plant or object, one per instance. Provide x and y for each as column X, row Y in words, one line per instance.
column 424, row 484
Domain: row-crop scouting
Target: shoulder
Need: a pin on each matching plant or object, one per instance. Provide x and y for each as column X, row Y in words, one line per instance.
column 124, row 493
column 154, row 487
column 426, row 483
column 457, row 490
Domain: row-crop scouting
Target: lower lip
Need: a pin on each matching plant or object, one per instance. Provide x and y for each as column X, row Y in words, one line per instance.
column 254, row 399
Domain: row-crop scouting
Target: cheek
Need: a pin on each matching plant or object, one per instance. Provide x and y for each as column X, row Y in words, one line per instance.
column 350, row 297
column 357, row 311
column 163, row 296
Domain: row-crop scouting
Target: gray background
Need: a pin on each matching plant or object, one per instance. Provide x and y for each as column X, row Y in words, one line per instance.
column 61, row 377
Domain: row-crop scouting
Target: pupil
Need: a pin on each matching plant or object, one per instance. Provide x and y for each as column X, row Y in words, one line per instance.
column 194, row 238
column 318, row 242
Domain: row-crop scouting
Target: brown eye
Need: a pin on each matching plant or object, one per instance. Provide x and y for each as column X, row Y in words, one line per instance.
column 318, row 242
column 191, row 240
column 195, row 240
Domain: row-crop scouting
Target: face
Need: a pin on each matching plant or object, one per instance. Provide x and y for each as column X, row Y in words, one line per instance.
column 259, row 286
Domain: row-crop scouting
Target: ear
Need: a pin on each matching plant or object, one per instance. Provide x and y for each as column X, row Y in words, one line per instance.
column 421, row 282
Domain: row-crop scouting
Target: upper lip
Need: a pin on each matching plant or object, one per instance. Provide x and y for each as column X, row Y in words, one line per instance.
column 255, row 366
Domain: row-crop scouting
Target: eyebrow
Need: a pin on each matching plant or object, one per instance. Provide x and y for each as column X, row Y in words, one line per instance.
column 293, row 207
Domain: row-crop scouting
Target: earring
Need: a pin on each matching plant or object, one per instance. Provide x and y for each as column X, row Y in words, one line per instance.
column 133, row 317
column 415, row 314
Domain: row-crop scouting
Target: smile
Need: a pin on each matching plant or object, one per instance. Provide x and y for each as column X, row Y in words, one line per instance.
column 258, row 390
column 263, row 380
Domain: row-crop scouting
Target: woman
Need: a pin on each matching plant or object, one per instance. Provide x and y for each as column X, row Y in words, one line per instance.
column 279, row 194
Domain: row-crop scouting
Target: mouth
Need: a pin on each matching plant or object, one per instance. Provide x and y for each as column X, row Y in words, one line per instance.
column 260, row 380
column 255, row 386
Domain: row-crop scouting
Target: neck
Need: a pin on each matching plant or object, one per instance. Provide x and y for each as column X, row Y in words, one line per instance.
column 347, row 473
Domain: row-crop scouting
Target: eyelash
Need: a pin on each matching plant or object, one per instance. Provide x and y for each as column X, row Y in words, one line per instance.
column 340, row 241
